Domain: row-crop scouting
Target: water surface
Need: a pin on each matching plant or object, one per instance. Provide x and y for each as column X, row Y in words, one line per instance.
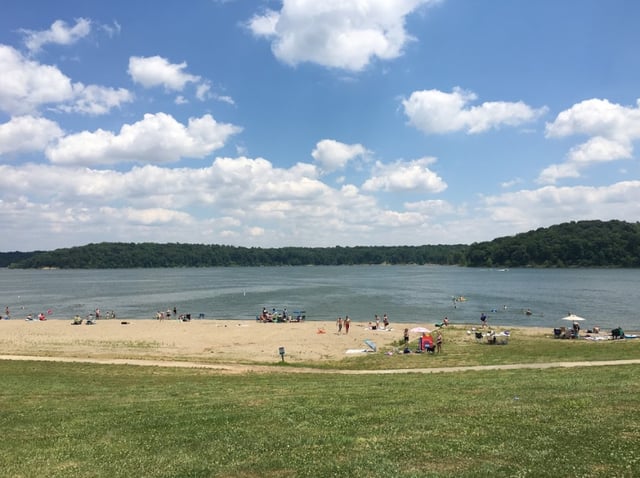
column 606, row 297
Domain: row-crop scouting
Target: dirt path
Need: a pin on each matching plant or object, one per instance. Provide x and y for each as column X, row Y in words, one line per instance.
column 239, row 368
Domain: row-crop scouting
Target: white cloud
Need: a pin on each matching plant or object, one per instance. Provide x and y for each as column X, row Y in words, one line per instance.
column 25, row 85
column 435, row 112
column 152, row 216
column 157, row 71
column 613, row 129
column 596, row 117
column 111, row 30
column 511, row 183
column 346, row 34
column 27, row 133
column 265, row 24
column 59, row 33
column 158, row 138
column 203, row 91
column 529, row 209
column 290, row 205
column 405, row 176
column 599, row 149
column 431, row 207
column 332, row 155
column 96, row 100
column 225, row 99
column 232, row 197
column 553, row 172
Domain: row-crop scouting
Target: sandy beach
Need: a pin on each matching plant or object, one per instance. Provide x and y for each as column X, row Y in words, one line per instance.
column 215, row 341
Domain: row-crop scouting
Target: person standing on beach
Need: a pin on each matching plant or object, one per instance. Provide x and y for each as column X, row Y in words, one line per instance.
column 385, row 321
column 406, row 337
column 347, row 323
column 439, row 341
column 339, row 325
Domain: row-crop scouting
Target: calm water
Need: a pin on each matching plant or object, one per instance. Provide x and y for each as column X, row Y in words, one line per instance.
column 406, row 293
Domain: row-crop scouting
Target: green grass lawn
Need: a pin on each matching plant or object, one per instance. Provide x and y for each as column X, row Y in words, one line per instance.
column 83, row 420
column 461, row 349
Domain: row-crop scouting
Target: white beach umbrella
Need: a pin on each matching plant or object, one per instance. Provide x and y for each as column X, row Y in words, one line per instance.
column 574, row 318
column 420, row 330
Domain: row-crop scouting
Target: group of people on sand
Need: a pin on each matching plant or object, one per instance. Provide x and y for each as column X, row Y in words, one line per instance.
column 273, row 316
column 346, row 323
column 160, row 315
column 41, row 316
column 375, row 325
column 283, row 316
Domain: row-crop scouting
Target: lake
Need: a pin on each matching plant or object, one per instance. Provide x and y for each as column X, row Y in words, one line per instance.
column 423, row 294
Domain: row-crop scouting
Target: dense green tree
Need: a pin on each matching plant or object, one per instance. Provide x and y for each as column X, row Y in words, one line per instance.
column 574, row 244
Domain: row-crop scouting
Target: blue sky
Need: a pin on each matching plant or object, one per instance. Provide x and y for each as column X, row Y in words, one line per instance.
column 306, row 123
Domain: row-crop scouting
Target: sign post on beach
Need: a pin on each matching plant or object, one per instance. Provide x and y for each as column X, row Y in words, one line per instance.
column 281, row 352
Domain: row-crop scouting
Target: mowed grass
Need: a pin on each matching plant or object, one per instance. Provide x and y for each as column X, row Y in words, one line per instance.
column 460, row 348
column 83, row 420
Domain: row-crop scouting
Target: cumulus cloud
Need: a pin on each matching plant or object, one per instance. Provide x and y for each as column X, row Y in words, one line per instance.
column 431, row 207
column 230, row 197
column 151, row 216
column 405, row 176
column 27, row 133
column 597, row 117
column 157, row 138
column 332, row 155
column 95, row 99
column 223, row 200
column 157, row 71
column 59, row 33
column 26, row 86
column 529, row 209
column 345, row 34
column 612, row 129
column 437, row 112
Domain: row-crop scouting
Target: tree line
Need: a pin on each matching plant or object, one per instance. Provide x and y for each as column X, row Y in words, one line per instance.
column 575, row 244
column 113, row 255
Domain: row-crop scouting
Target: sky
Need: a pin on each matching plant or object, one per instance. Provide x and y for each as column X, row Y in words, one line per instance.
column 314, row 123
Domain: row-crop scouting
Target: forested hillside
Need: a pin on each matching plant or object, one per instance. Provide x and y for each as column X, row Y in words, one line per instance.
column 129, row 255
column 574, row 244
column 8, row 258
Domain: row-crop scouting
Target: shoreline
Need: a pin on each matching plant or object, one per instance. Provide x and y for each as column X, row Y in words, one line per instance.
column 208, row 340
